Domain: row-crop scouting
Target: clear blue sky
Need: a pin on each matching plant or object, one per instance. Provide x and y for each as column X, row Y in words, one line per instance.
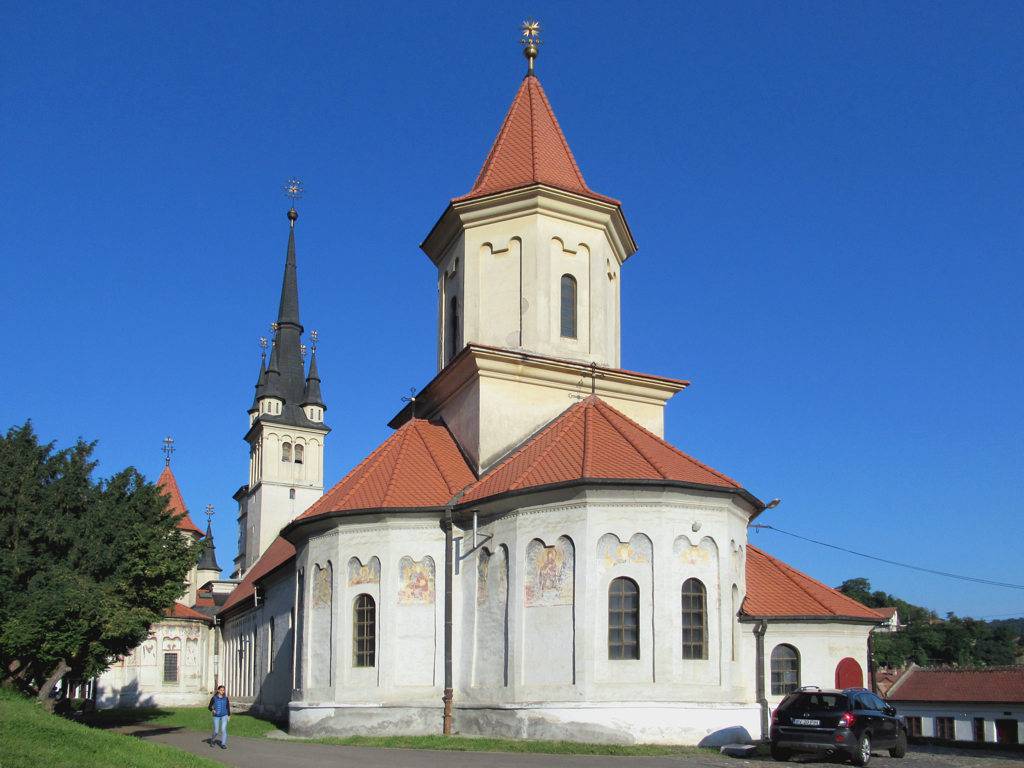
column 827, row 198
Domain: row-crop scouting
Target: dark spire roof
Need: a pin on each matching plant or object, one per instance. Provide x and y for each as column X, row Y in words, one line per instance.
column 313, row 396
column 285, row 377
column 208, row 562
column 261, row 383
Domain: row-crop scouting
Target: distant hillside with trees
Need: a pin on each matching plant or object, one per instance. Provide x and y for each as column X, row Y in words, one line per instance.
column 929, row 640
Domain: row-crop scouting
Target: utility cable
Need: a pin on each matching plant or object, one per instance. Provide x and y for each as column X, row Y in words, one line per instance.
column 932, row 571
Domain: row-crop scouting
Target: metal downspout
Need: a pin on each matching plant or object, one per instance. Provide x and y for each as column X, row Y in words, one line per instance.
column 759, row 632
column 449, row 576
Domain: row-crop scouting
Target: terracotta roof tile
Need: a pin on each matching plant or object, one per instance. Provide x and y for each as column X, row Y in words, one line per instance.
column 777, row 589
column 592, row 440
column 169, row 485
column 530, row 149
column 278, row 553
column 418, row 466
column 1004, row 685
column 181, row 611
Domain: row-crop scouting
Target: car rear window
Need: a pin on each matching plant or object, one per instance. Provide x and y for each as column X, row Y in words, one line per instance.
column 818, row 702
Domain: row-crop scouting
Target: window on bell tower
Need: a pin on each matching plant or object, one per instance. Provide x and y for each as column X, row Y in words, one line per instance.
column 286, row 451
column 298, row 453
column 568, row 308
column 453, row 327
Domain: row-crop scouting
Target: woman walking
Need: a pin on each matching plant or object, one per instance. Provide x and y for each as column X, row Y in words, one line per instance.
column 220, row 706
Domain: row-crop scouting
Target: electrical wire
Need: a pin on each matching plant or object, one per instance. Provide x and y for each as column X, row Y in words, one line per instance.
column 932, row 571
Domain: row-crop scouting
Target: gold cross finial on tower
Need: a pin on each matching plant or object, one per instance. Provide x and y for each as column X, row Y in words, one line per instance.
column 293, row 191
column 168, row 449
column 531, row 40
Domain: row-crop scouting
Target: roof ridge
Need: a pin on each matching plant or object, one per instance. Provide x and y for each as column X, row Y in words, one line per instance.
column 561, row 137
column 314, row 508
column 560, row 425
column 499, row 140
column 636, row 447
column 433, row 459
column 676, row 450
column 533, row 128
column 398, row 460
column 585, row 458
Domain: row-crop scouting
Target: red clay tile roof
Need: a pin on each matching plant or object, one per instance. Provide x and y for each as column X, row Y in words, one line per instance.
column 181, row 611
column 592, row 440
column 418, row 466
column 530, row 149
column 1003, row 685
column 278, row 553
column 169, row 485
column 777, row 589
column 886, row 611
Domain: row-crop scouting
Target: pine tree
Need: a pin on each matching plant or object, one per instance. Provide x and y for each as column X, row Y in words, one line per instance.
column 86, row 567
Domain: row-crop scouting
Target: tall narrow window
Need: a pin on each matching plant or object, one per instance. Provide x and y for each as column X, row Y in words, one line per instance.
column 298, row 453
column 286, row 451
column 785, row 670
column 453, row 327
column 364, row 632
column 568, row 306
column 270, row 646
column 695, row 620
column 170, row 667
column 623, row 619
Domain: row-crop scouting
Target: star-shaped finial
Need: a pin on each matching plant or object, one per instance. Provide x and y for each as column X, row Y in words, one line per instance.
column 293, row 189
column 531, row 39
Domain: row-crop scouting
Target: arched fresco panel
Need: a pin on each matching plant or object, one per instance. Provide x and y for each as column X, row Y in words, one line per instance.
column 416, row 636
column 549, row 590
column 490, row 657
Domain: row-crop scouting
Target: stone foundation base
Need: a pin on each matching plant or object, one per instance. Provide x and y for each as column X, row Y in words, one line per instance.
column 684, row 723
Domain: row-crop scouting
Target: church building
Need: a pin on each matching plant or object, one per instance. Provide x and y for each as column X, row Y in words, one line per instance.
column 525, row 556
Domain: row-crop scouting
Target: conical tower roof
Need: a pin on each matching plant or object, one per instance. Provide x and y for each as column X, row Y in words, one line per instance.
column 530, row 149
column 168, row 485
column 208, row 561
column 312, row 395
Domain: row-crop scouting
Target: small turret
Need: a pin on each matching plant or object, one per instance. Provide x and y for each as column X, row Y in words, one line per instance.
column 312, row 400
column 207, row 568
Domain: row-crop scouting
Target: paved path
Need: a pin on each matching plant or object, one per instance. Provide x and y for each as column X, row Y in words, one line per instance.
column 246, row 752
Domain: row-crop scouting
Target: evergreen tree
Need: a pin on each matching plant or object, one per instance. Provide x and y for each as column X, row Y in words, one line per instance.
column 85, row 566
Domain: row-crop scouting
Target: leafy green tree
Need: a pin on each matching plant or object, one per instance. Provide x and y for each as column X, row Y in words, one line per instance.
column 929, row 641
column 86, row 567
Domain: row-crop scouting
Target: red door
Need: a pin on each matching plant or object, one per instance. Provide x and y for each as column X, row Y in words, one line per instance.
column 849, row 674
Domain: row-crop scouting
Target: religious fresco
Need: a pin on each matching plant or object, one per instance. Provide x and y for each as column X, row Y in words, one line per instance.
column 322, row 587
column 416, row 581
column 692, row 555
column 149, row 652
column 549, row 573
column 491, row 573
column 172, row 644
column 612, row 552
column 191, row 651
column 363, row 574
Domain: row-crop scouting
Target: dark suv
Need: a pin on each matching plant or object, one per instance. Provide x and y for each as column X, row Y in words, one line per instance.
column 849, row 723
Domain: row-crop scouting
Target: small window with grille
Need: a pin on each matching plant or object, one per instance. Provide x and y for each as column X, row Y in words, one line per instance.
column 785, row 670
column 695, row 620
column 170, row 667
column 623, row 619
column 364, row 632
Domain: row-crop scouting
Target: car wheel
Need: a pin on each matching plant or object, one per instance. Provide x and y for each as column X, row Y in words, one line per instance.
column 863, row 754
column 901, row 745
column 780, row 754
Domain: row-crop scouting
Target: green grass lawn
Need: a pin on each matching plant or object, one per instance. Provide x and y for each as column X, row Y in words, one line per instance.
column 484, row 744
column 31, row 737
column 189, row 718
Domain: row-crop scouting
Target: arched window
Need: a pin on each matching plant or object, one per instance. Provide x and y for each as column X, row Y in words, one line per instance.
column 785, row 670
column 568, row 313
column 298, row 453
column 623, row 619
column 286, row 451
column 364, row 632
column 695, row 620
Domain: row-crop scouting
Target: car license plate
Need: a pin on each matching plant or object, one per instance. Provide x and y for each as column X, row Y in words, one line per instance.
column 802, row 721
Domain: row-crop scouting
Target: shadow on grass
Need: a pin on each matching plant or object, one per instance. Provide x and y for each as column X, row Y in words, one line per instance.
column 118, row 718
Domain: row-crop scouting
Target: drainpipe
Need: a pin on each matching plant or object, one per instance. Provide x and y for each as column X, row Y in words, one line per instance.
column 449, row 576
column 759, row 631
column 872, row 675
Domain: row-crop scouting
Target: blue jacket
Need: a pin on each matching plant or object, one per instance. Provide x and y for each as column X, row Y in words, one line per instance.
column 220, row 706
